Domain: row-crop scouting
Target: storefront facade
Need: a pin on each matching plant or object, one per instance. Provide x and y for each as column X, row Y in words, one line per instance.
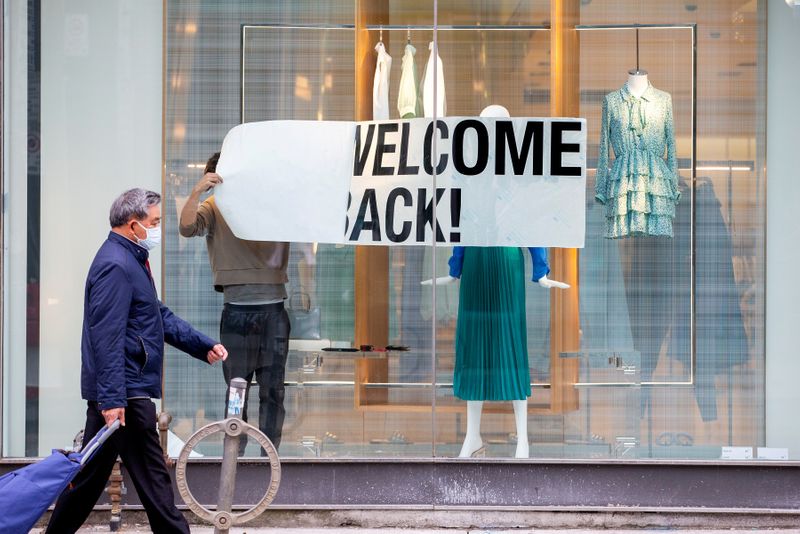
column 669, row 358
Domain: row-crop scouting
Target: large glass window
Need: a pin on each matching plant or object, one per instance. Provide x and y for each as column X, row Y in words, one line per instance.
column 82, row 123
column 668, row 359
column 657, row 349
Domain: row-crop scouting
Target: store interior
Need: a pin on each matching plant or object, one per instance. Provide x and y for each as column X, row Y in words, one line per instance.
column 657, row 350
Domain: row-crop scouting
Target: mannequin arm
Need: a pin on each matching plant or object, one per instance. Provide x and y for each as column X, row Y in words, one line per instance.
column 455, row 262
column 549, row 284
column 540, row 269
column 440, row 281
column 543, row 281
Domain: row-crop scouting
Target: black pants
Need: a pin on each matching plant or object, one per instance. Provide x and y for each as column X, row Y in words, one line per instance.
column 138, row 445
column 257, row 339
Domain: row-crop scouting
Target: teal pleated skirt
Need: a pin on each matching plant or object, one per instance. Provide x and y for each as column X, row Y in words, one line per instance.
column 491, row 331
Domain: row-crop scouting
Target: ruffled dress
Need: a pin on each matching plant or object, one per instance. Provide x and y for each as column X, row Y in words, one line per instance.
column 640, row 190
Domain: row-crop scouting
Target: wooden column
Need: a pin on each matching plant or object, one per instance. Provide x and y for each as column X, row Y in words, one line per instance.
column 371, row 263
column 564, row 304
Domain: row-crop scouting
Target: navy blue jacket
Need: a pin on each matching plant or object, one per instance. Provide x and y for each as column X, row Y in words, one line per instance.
column 125, row 326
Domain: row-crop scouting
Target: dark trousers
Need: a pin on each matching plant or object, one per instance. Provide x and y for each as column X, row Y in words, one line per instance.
column 138, row 445
column 257, row 339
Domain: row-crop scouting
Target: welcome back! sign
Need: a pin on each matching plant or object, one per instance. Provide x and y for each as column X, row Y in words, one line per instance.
column 498, row 181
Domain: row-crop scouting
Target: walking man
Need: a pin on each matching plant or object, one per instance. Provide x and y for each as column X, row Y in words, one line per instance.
column 122, row 351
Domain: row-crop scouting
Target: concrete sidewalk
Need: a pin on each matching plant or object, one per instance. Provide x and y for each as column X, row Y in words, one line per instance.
column 261, row 530
column 472, row 522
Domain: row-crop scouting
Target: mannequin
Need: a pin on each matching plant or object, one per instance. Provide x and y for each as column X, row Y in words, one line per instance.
column 639, row 187
column 637, row 82
column 473, row 443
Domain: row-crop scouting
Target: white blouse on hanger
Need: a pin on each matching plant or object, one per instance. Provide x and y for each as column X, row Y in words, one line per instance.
column 428, row 84
column 380, row 85
column 446, row 296
column 408, row 95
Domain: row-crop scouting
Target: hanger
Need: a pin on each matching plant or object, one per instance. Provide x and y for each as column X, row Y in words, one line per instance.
column 408, row 35
column 380, row 36
column 637, row 71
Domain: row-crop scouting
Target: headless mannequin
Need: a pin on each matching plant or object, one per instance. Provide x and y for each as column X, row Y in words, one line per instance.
column 473, row 443
column 637, row 82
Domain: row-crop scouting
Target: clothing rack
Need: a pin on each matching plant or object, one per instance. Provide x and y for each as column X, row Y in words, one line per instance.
column 457, row 27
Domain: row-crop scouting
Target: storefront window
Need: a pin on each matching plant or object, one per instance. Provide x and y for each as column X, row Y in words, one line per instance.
column 649, row 308
column 82, row 124
column 655, row 351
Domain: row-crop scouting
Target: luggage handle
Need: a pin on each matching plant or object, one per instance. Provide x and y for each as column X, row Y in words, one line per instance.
column 97, row 441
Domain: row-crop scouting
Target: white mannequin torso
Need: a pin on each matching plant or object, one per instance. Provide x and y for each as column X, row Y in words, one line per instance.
column 637, row 84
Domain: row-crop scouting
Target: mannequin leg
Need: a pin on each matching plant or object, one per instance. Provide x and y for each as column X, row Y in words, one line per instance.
column 473, row 442
column 521, row 418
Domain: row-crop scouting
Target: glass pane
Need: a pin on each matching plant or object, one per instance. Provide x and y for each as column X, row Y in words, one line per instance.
column 397, row 388
column 337, row 403
column 470, row 13
column 636, row 293
column 265, row 62
column 704, row 392
column 297, row 73
column 671, row 357
column 510, row 67
column 83, row 92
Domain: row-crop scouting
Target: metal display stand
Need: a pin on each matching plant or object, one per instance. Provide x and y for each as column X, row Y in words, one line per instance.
column 693, row 169
column 223, row 518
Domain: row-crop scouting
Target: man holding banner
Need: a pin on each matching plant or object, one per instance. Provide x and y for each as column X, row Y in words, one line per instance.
column 488, row 185
column 254, row 325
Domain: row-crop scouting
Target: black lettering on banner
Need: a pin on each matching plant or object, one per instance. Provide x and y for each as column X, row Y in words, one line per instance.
column 428, row 148
column 558, row 147
column 534, row 133
column 402, row 168
column 368, row 201
column 360, row 158
column 347, row 217
column 455, row 215
column 425, row 214
column 382, row 148
column 458, row 147
column 391, row 201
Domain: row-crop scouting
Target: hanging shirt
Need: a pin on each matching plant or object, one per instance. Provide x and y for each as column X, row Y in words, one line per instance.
column 408, row 95
column 447, row 296
column 380, row 85
column 428, row 83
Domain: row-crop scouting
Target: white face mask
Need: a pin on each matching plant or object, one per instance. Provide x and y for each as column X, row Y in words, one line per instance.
column 153, row 238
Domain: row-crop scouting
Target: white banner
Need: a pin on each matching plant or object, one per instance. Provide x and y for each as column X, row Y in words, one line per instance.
column 499, row 182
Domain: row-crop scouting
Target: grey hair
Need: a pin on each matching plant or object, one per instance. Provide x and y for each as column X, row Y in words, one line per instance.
column 133, row 203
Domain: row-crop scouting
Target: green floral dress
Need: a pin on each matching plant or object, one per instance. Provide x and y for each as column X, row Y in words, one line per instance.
column 640, row 190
